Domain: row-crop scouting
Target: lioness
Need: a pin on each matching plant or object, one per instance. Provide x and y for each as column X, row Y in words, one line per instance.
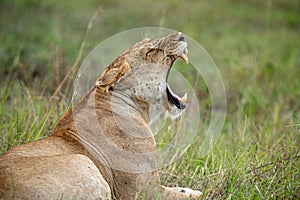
column 103, row 147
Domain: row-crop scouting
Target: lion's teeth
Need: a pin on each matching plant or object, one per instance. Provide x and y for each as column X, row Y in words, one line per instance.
column 184, row 57
column 184, row 98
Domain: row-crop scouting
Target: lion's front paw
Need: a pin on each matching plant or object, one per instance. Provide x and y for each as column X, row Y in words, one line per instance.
column 194, row 194
column 180, row 193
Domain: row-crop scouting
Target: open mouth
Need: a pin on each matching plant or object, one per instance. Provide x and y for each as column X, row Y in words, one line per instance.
column 179, row 102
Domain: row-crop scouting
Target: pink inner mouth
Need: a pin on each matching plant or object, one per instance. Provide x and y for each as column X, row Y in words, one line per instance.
column 179, row 102
column 175, row 99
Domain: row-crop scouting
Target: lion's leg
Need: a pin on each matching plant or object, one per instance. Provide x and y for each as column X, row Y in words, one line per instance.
column 178, row 193
column 52, row 177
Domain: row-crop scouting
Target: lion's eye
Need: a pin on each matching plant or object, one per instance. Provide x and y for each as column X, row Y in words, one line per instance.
column 149, row 53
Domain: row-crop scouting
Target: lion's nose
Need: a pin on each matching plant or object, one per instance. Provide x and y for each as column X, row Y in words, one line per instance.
column 181, row 37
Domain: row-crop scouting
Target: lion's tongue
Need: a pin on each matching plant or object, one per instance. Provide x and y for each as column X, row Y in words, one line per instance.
column 175, row 99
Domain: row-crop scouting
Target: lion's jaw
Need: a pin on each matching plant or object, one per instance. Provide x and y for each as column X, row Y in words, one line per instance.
column 144, row 73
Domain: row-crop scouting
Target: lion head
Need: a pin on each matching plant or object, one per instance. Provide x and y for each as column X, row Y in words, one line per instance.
column 141, row 74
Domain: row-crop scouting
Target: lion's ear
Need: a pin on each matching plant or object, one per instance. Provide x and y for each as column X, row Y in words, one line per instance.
column 112, row 75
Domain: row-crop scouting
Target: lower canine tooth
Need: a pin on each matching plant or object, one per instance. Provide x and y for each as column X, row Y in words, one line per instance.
column 184, row 98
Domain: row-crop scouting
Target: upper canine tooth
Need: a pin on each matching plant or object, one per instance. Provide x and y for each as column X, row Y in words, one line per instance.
column 184, row 98
column 184, row 57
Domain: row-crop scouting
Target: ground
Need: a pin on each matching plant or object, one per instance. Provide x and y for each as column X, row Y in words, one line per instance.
column 255, row 45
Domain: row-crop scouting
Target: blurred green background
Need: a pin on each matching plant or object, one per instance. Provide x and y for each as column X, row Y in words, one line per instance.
column 255, row 44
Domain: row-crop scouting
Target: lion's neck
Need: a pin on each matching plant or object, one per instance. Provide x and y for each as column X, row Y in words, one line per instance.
column 115, row 135
column 105, row 124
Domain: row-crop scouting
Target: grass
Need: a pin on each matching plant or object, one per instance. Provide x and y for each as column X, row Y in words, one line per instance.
column 255, row 44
